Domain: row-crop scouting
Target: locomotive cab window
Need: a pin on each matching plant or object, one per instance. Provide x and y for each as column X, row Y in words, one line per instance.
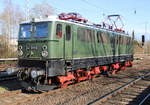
column 68, row 32
column 41, row 30
column 25, row 31
column 59, row 30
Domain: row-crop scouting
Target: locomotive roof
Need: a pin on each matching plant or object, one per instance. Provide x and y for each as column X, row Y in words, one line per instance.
column 88, row 25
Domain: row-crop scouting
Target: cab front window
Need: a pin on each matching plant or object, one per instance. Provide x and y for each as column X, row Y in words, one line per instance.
column 25, row 31
column 41, row 30
column 34, row 30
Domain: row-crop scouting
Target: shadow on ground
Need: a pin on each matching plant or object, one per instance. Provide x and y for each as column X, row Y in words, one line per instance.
column 140, row 97
column 10, row 85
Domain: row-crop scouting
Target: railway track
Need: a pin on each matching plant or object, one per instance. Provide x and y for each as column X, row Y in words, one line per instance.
column 133, row 92
column 8, row 59
column 146, row 100
column 15, row 97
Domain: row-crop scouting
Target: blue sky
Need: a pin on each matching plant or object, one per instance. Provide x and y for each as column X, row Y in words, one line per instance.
column 93, row 10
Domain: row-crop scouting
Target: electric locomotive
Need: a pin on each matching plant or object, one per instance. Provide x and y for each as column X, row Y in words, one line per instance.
column 57, row 52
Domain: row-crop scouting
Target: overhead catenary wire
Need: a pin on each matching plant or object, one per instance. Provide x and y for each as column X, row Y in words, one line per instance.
column 90, row 4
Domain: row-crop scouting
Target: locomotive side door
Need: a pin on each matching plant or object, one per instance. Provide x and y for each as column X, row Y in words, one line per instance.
column 68, row 40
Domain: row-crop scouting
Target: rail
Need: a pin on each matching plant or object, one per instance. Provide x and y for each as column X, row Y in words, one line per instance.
column 142, row 102
column 8, row 59
column 102, row 99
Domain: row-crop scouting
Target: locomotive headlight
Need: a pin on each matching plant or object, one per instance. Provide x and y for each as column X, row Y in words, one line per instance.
column 35, row 73
column 20, row 53
column 44, row 47
column 20, row 47
column 44, row 53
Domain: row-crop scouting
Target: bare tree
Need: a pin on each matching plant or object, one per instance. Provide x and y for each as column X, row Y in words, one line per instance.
column 10, row 18
column 42, row 10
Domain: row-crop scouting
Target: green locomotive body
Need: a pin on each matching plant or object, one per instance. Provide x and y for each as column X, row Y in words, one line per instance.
column 49, row 49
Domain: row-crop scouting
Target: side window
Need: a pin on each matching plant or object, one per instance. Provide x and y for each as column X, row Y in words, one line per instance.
column 59, row 31
column 86, row 35
column 92, row 36
column 117, row 39
column 80, row 34
column 105, row 37
column 98, row 36
column 125, row 40
column 68, row 32
column 121, row 40
column 112, row 38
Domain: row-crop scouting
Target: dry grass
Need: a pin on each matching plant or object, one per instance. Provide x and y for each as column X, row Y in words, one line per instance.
column 138, row 48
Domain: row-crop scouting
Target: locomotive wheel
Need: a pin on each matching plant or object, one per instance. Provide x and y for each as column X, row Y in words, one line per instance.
column 64, row 81
column 67, row 84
